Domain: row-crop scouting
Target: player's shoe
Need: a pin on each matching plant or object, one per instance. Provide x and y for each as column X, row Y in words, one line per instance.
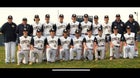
column 30, row 63
column 18, row 64
column 96, row 59
column 111, row 58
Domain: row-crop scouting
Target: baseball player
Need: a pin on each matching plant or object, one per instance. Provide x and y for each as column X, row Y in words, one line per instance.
column 9, row 32
column 73, row 25
column 60, row 26
column 134, row 28
column 37, row 46
column 96, row 25
column 23, row 47
column 88, row 45
column 130, row 44
column 100, row 42
column 52, row 43
column 85, row 25
column 66, row 43
column 36, row 25
column 45, row 30
column 77, row 47
column 115, row 44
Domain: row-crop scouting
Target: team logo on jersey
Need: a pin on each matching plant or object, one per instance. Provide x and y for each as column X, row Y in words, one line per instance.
column 121, row 24
column 61, row 26
column 13, row 26
column 106, row 27
column 85, row 26
column 133, row 23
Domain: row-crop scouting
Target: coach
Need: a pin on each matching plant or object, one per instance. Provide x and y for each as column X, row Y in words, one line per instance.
column 9, row 32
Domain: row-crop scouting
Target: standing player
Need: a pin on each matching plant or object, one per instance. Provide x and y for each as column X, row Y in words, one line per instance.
column 85, row 25
column 36, row 25
column 52, row 43
column 100, row 42
column 23, row 47
column 115, row 44
column 45, row 30
column 60, row 26
column 72, row 26
column 37, row 46
column 21, row 26
column 130, row 44
column 96, row 25
column 77, row 46
column 9, row 31
column 134, row 25
column 66, row 43
column 88, row 45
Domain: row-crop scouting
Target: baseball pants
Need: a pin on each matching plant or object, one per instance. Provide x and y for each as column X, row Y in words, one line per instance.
column 100, row 49
column 78, row 53
column 88, row 54
column 36, row 55
column 51, row 55
column 10, row 48
column 129, row 51
column 64, row 53
column 114, row 52
column 21, row 55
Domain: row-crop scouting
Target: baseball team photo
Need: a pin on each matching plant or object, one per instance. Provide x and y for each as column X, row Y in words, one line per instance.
column 74, row 37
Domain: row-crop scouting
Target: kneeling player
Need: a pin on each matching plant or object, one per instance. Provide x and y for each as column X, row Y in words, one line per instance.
column 66, row 42
column 52, row 44
column 100, row 42
column 37, row 46
column 115, row 44
column 77, row 46
column 23, row 47
column 130, row 44
column 88, row 45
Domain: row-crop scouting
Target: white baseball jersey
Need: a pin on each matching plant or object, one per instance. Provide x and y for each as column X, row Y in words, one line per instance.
column 77, row 42
column 129, row 38
column 85, row 26
column 89, row 41
column 65, row 42
column 53, row 42
column 39, row 42
column 95, row 28
column 46, row 28
column 100, row 40
column 60, row 27
column 106, row 28
column 73, row 27
column 35, row 27
column 116, row 39
column 25, row 42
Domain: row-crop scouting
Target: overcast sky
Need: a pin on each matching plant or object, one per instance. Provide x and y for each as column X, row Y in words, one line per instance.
column 29, row 12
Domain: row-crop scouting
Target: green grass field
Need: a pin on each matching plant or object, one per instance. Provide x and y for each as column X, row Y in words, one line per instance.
column 116, row 63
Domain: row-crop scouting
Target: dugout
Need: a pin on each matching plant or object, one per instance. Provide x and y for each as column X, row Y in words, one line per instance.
column 80, row 18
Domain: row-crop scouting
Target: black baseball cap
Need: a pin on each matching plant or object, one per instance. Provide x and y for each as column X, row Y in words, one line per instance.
column 52, row 30
column 89, row 29
column 61, row 15
column 86, row 15
column 25, row 29
column 100, row 29
column 10, row 17
column 36, row 16
column 106, row 16
column 96, row 17
column 38, row 30
column 47, row 16
column 24, row 19
column 115, row 27
column 128, row 27
column 73, row 15
column 117, row 15
column 77, row 31
column 130, row 15
column 65, row 31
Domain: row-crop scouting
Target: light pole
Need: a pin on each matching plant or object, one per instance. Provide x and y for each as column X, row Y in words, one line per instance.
column 136, row 15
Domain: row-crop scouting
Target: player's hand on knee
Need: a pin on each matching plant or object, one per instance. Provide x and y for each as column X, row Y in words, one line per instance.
column 136, row 48
column 60, row 47
column 86, row 48
column 48, row 46
column 72, row 46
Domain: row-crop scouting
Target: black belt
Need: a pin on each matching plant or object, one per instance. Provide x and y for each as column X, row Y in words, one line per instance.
column 101, row 46
column 38, row 48
column 116, row 46
column 131, row 44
